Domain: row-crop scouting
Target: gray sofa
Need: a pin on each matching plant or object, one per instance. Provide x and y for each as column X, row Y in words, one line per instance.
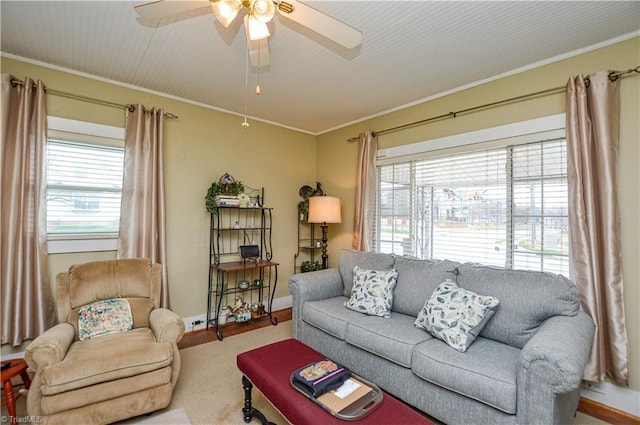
column 525, row 367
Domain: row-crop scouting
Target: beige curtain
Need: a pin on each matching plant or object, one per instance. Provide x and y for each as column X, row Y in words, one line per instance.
column 593, row 107
column 27, row 305
column 142, row 212
column 365, row 192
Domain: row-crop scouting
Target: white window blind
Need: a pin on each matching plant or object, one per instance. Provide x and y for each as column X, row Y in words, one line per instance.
column 503, row 206
column 84, row 186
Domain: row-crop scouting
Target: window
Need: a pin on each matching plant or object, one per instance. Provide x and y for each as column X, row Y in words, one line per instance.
column 503, row 206
column 84, row 169
column 84, row 186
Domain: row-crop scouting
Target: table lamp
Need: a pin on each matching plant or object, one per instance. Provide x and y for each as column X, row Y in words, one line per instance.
column 324, row 210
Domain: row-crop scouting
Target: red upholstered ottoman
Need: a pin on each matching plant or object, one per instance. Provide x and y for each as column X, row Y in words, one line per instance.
column 269, row 369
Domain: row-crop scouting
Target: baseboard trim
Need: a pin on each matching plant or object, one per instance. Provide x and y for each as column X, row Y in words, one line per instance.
column 606, row 413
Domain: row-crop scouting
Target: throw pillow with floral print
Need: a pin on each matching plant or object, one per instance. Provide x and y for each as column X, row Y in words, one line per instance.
column 456, row 315
column 104, row 317
column 372, row 291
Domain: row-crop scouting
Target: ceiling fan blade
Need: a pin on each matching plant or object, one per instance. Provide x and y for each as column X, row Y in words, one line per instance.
column 163, row 8
column 259, row 52
column 258, row 49
column 321, row 23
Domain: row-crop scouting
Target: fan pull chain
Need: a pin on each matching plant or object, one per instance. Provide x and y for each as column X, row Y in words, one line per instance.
column 245, row 124
column 258, row 85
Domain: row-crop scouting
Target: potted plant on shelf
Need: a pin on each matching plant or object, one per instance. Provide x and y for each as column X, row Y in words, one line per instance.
column 303, row 210
column 226, row 186
column 310, row 266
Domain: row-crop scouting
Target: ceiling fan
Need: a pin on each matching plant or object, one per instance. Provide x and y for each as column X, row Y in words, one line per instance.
column 258, row 14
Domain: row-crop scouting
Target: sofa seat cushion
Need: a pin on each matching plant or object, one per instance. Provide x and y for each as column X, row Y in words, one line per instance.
column 485, row 372
column 133, row 386
column 107, row 358
column 329, row 315
column 393, row 338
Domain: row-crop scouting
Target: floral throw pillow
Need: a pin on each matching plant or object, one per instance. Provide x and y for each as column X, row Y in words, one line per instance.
column 104, row 317
column 456, row 315
column 372, row 291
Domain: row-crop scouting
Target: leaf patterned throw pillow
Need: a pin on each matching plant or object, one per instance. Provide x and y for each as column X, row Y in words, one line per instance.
column 104, row 317
column 456, row 315
column 372, row 291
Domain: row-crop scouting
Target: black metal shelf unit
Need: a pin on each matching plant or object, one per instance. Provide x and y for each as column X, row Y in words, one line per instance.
column 308, row 243
column 230, row 228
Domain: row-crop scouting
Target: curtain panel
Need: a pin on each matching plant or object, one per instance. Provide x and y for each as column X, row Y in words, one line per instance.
column 142, row 211
column 365, row 192
column 593, row 109
column 27, row 304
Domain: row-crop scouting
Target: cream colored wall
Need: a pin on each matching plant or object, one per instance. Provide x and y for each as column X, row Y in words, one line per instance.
column 336, row 159
column 200, row 146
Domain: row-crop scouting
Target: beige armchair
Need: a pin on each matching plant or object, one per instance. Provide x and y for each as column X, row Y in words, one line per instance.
column 103, row 378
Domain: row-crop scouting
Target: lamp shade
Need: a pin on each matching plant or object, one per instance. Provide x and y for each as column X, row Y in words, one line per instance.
column 324, row 209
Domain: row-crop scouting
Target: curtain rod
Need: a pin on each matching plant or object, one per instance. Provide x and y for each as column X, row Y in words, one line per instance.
column 613, row 76
column 61, row 93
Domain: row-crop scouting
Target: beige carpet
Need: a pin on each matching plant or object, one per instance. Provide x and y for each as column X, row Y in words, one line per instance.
column 210, row 384
column 210, row 388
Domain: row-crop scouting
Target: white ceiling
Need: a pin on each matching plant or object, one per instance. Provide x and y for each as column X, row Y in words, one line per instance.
column 411, row 50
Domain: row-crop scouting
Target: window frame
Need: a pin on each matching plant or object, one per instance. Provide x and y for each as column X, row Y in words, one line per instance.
column 506, row 136
column 82, row 130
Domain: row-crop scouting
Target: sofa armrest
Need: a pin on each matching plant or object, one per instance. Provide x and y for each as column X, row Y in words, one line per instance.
column 166, row 325
column 50, row 347
column 318, row 285
column 552, row 365
column 312, row 286
column 47, row 349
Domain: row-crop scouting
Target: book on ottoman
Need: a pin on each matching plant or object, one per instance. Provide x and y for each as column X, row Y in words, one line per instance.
column 317, row 378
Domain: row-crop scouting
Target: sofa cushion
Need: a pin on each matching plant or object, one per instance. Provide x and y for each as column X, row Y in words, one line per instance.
column 329, row 315
column 455, row 315
column 416, row 281
column 372, row 291
column 527, row 299
column 350, row 258
column 486, row 372
column 104, row 317
column 107, row 358
column 394, row 338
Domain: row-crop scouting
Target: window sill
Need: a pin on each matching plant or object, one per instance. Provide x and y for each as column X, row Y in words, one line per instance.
column 62, row 245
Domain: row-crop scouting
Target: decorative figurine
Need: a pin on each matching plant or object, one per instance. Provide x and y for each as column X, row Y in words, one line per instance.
column 240, row 306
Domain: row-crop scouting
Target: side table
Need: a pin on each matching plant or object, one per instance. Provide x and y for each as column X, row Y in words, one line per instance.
column 17, row 367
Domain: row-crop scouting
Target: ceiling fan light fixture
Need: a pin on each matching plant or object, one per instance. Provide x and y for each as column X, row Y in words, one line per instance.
column 263, row 10
column 226, row 10
column 255, row 29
